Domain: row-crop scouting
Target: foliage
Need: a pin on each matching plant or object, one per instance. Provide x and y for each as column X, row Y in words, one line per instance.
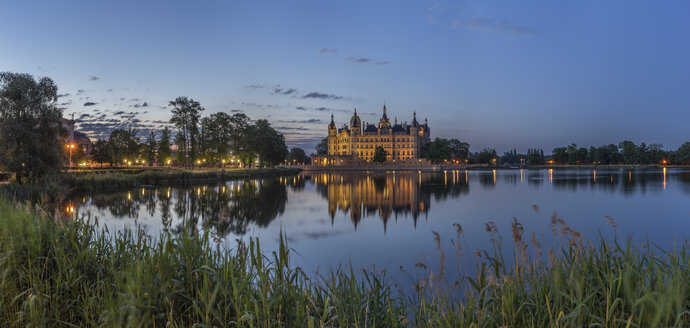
column 185, row 116
column 149, row 149
column 297, row 155
column 164, row 151
column 268, row 143
column 487, row 156
column 626, row 152
column 216, row 136
column 30, row 126
column 322, row 147
column 124, row 146
column 438, row 150
column 380, row 154
column 100, row 152
column 74, row 273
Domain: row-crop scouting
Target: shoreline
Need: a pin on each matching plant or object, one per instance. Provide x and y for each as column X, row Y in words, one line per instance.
column 477, row 167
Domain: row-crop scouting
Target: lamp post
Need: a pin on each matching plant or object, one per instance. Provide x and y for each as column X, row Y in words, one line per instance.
column 70, row 146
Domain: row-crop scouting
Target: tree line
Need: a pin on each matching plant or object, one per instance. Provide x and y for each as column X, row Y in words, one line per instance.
column 625, row 152
column 215, row 140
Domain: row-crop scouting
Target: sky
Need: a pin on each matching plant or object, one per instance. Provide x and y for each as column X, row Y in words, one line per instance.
column 499, row 74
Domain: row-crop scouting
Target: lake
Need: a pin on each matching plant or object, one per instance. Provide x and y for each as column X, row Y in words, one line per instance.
column 386, row 221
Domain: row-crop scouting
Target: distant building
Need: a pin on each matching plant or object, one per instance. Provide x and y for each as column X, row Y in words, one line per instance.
column 358, row 142
column 75, row 137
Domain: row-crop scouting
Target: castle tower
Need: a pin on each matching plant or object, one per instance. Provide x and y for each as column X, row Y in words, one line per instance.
column 355, row 124
column 332, row 131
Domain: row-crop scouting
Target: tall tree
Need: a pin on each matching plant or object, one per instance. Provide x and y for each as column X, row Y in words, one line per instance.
column 185, row 116
column 438, row 150
column 150, row 148
column 268, row 143
column 486, row 156
column 459, row 149
column 217, row 134
column 164, row 151
column 380, row 154
column 100, row 152
column 124, row 145
column 322, row 147
column 297, row 156
column 30, row 126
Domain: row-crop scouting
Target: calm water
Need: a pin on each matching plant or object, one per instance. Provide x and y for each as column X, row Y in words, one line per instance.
column 385, row 220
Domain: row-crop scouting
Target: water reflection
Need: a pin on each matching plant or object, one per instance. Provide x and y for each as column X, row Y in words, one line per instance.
column 231, row 208
column 385, row 195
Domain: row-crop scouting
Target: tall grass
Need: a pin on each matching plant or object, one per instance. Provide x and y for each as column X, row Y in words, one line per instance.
column 76, row 274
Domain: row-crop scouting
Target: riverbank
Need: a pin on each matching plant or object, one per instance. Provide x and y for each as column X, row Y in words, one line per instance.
column 109, row 181
column 73, row 273
column 477, row 167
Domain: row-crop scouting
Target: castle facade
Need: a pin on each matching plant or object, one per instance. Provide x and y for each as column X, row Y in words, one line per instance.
column 401, row 141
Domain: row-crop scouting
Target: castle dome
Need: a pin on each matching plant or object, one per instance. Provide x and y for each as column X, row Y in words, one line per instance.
column 332, row 124
column 355, row 121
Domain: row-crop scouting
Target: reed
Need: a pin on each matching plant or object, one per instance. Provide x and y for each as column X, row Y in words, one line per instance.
column 78, row 274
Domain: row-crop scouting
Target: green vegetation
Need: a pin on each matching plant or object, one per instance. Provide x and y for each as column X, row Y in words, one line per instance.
column 380, row 154
column 297, row 156
column 30, row 126
column 57, row 274
column 626, row 152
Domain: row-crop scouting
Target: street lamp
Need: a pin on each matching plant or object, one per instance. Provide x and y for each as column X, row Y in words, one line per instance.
column 70, row 147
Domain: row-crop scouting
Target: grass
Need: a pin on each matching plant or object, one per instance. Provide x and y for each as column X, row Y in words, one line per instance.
column 75, row 274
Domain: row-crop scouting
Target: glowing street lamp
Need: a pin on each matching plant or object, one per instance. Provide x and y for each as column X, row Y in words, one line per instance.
column 70, row 147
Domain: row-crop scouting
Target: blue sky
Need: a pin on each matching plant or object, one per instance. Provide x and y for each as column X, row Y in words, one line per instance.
column 502, row 74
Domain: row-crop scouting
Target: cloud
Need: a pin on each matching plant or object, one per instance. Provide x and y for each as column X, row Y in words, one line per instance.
column 327, row 51
column 63, row 95
column 358, row 60
column 318, row 95
column 94, row 78
column 281, row 91
column 80, row 91
column 312, row 120
column 255, row 86
column 494, row 26
column 89, row 103
column 289, row 128
column 322, row 109
column 110, row 90
column 145, row 104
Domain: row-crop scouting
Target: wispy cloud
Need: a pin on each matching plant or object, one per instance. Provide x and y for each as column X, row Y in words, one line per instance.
column 94, row 78
column 312, row 120
column 365, row 60
column 255, row 86
column 281, row 91
column 318, row 95
column 89, row 103
column 494, row 26
column 327, row 51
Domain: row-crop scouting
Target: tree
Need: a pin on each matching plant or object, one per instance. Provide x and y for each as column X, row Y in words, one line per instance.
column 380, row 154
column 269, row 144
column 149, row 149
column 297, row 155
column 560, row 155
column 438, row 150
column 100, row 152
column 217, row 132
column 628, row 151
column 164, row 151
column 486, row 156
column 241, row 143
column 459, row 149
column 30, row 126
column 185, row 116
column 124, row 145
column 322, row 147
column 682, row 154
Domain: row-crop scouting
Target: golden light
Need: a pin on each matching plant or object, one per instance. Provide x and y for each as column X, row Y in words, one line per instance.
column 168, row 162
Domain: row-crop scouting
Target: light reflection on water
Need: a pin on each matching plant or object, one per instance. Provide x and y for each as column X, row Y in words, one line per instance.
column 386, row 219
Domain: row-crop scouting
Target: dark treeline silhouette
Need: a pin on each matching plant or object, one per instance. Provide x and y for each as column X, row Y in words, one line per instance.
column 217, row 140
column 626, row 152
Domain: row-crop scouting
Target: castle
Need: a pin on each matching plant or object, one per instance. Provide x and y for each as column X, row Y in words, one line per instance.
column 401, row 141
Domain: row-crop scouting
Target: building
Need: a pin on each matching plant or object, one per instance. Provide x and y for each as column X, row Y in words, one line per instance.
column 78, row 139
column 401, row 141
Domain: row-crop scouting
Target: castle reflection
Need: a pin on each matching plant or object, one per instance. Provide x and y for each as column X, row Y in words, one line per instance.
column 386, row 194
